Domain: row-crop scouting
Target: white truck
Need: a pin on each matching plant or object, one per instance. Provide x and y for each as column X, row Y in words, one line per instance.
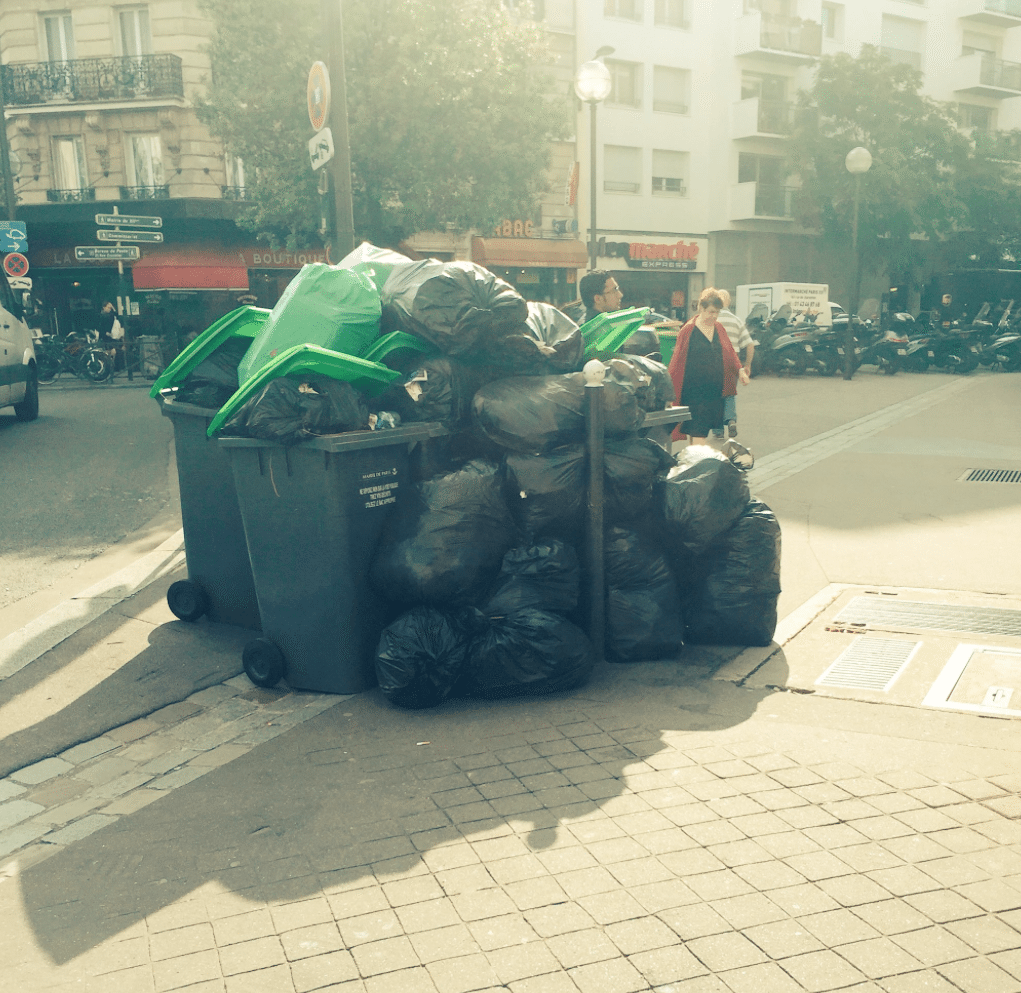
column 804, row 298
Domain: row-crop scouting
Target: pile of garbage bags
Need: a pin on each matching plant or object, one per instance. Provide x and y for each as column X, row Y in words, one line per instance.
column 478, row 559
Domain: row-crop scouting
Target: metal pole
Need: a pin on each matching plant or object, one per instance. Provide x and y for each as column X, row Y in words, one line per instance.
column 10, row 201
column 852, row 314
column 343, row 238
column 596, row 566
column 592, row 187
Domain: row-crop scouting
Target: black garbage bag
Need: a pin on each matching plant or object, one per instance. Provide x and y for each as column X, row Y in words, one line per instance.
column 420, row 658
column 524, row 653
column 443, row 544
column 544, row 576
column 215, row 379
column 439, row 389
column 547, row 493
column 548, row 342
column 644, row 341
column 659, row 394
column 736, row 600
column 458, row 306
column 644, row 615
column 700, row 499
column 293, row 408
column 631, row 468
column 537, row 413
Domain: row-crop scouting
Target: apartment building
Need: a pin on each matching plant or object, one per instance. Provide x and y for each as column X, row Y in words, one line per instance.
column 691, row 188
column 99, row 102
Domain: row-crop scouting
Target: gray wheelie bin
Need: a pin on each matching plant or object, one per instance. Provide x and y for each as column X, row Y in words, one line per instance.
column 219, row 583
column 313, row 514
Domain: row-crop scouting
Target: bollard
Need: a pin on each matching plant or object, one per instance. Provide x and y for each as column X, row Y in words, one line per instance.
column 594, row 373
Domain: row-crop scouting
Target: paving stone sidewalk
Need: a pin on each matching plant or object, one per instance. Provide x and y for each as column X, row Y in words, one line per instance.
column 700, row 839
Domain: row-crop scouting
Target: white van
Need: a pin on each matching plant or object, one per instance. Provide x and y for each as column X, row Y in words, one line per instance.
column 19, row 387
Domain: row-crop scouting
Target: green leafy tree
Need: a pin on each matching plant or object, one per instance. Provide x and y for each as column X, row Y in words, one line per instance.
column 450, row 114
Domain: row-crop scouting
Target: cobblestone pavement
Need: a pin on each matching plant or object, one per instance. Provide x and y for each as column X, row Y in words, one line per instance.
column 535, row 847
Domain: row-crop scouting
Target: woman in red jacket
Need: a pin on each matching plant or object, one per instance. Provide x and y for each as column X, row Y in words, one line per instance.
column 704, row 369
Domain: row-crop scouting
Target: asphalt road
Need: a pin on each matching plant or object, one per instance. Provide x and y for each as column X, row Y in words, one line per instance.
column 96, row 466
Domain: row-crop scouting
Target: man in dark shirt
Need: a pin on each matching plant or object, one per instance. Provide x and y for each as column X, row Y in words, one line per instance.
column 600, row 293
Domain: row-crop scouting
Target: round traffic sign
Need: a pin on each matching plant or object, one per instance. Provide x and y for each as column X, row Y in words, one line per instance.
column 318, row 95
column 15, row 264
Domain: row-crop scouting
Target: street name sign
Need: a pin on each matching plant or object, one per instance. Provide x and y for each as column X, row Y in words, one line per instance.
column 130, row 220
column 118, row 253
column 153, row 237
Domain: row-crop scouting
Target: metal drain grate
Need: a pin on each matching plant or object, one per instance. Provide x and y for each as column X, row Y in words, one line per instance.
column 869, row 664
column 991, row 476
column 913, row 614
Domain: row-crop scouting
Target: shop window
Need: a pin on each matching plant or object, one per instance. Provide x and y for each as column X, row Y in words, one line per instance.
column 626, row 83
column 631, row 10
column 673, row 13
column 69, row 170
column 622, row 169
column 136, row 37
column 671, row 90
column 669, row 173
column 145, row 160
column 59, row 34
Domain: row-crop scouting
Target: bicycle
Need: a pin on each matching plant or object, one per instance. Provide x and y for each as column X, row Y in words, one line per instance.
column 74, row 355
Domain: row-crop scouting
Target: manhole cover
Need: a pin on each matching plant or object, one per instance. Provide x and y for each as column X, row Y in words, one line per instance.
column 870, row 664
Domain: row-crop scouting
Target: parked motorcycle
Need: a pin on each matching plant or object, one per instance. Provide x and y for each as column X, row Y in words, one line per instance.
column 946, row 345
column 1002, row 350
column 781, row 346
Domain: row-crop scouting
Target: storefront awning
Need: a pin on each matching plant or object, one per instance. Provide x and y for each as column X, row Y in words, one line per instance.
column 190, row 269
column 529, row 253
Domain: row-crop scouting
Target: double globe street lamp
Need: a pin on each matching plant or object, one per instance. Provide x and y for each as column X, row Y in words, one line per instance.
column 592, row 84
column 858, row 161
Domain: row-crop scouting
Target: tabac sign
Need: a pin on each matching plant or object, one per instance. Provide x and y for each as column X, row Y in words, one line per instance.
column 647, row 254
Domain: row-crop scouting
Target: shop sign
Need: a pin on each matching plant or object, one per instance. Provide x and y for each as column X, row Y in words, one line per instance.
column 247, row 299
column 652, row 255
column 513, row 229
column 265, row 258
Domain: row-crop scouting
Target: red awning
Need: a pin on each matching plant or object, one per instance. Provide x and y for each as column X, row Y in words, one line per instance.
column 529, row 253
column 190, row 269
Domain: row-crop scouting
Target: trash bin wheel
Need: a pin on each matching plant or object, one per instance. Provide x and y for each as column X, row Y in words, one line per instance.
column 263, row 662
column 187, row 600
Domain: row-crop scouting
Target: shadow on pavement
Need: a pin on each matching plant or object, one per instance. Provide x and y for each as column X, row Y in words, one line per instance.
column 364, row 792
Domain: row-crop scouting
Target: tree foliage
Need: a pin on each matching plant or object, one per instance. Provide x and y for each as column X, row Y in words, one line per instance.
column 927, row 177
column 449, row 112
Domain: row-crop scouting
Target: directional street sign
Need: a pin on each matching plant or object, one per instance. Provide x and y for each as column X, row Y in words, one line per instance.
column 130, row 220
column 105, row 234
column 20, row 282
column 320, row 148
column 13, row 236
column 118, row 253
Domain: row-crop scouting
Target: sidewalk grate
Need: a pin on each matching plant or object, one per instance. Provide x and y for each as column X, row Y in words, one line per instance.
column 991, row 476
column 913, row 614
column 870, row 664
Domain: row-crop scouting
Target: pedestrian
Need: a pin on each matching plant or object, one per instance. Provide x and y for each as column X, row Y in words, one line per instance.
column 599, row 293
column 946, row 313
column 110, row 329
column 744, row 345
column 704, row 369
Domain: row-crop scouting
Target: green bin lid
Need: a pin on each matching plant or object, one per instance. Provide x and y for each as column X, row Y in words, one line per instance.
column 369, row 378
column 244, row 322
column 397, row 341
column 605, row 333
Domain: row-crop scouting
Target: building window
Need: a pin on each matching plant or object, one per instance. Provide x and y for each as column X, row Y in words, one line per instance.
column 626, row 80
column 59, row 35
column 764, row 85
column 832, row 16
column 145, row 160
column 136, row 38
column 673, row 13
column 630, row 10
column 235, row 169
column 69, row 170
column 983, row 43
column 772, row 8
column 671, row 90
column 903, row 40
column 622, row 169
column 975, row 117
column 765, row 169
column 669, row 173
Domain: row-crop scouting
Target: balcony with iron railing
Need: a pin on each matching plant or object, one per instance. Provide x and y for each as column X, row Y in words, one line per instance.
column 763, row 201
column 985, row 75
column 784, row 39
column 235, row 193
column 145, row 192
column 758, row 118
column 81, row 195
column 91, row 81
column 998, row 13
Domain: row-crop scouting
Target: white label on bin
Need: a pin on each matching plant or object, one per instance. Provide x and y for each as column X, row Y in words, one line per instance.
column 381, row 492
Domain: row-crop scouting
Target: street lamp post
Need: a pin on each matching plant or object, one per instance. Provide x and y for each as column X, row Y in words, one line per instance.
column 592, row 84
column 858, row 161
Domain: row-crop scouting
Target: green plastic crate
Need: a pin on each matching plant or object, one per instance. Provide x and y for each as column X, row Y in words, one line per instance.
column 245, row 322
column 366, row 377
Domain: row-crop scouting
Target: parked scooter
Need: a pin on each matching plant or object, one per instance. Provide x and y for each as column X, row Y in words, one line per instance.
column 947, row 346
column 886, row 348
column 1003, row 351
column 781, row 346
